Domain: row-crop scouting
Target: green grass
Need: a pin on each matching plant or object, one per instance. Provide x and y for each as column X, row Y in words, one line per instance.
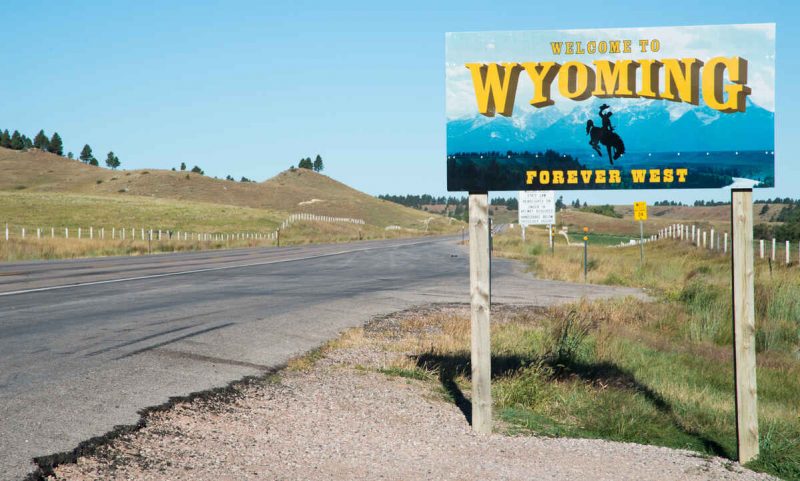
column 406, row 373
column 655, row 372
column 45, row 210
column 619, row 388
column 596, row 239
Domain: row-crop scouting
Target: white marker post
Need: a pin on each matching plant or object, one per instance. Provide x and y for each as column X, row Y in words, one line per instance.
column 788, row 256
column 744, row 323
column 480, row 286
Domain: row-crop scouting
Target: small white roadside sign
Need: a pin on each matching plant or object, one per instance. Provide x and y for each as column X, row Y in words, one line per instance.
column 537, row 207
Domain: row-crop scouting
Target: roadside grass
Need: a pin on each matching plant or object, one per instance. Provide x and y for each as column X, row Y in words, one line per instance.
column 621, row 370
column 673, row 356
column 694, row 279
column 50, row 249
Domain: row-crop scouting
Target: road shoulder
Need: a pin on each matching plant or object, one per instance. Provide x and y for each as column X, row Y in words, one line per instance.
column 352, row 411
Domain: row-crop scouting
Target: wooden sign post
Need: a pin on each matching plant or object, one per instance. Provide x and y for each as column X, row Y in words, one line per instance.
column 480, row 288
column 744, row 325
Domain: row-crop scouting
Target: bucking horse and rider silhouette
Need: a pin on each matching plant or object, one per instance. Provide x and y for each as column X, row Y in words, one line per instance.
column 605, row 135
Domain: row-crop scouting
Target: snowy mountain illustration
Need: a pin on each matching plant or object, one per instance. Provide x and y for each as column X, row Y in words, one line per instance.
column 646, row 126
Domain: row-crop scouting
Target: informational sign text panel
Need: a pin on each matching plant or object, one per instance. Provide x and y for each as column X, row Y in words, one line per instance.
column 537, row 208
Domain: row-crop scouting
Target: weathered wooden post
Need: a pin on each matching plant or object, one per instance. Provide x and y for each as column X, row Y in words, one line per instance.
column 744, row 326
column 480, row 301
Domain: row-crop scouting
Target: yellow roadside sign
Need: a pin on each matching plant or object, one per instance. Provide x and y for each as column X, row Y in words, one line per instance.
column 640, row 210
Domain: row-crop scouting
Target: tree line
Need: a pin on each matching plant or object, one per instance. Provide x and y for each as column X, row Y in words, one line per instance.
column 316, row 165
column 53, row 144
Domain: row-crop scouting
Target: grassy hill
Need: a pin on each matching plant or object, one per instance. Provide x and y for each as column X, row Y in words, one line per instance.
column 43, row 190
column 301, row 190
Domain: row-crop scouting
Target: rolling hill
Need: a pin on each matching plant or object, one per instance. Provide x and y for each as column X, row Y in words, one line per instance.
column 300, row 190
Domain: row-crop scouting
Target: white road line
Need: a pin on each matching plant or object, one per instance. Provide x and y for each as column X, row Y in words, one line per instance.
column 207, row 269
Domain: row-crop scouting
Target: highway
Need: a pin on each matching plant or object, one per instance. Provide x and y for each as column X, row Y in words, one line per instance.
column 85, row 344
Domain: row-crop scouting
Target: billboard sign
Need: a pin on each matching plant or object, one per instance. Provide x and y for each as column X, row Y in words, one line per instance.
column 537, row 208
column 631, row 108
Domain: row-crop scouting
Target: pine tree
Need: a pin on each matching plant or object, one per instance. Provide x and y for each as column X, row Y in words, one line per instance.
column 112, row 161
column 183, row 166
column 70, row 156
column 41, row 141
column 5, row 139
column 318, row 164
column 56, row 146
column 86, row 154
column 198, row 170
column 26, row 142
column 306, row 163
column 16, row 141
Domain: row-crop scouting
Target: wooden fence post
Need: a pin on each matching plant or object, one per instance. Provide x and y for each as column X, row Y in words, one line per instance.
column 744, row 327
column 480, row 300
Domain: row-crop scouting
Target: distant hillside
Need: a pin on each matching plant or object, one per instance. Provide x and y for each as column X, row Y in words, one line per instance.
column 300, row 190
column 718, row 213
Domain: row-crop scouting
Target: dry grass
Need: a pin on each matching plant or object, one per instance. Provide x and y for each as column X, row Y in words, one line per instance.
column 39, row 172
column 51, row 249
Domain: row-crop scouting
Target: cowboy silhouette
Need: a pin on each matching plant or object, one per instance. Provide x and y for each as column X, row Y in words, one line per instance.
column 605, row 135
column 606, row 118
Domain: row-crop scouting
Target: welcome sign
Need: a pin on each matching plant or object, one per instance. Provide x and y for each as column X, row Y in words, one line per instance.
column 634, row 108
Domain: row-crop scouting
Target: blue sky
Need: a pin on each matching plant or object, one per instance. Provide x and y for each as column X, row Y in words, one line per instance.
column 248, row 88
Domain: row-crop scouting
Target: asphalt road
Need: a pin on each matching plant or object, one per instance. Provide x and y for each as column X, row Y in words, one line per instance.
column 85, row 344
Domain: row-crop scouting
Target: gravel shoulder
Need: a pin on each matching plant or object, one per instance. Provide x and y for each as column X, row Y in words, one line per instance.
column 334, row 415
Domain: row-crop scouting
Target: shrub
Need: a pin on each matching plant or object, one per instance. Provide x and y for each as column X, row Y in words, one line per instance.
column 567, row 336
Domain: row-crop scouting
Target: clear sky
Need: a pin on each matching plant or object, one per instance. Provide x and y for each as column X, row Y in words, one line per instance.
column 248, row 88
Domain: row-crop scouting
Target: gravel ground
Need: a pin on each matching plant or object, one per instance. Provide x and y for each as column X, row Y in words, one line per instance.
column 342, row 420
